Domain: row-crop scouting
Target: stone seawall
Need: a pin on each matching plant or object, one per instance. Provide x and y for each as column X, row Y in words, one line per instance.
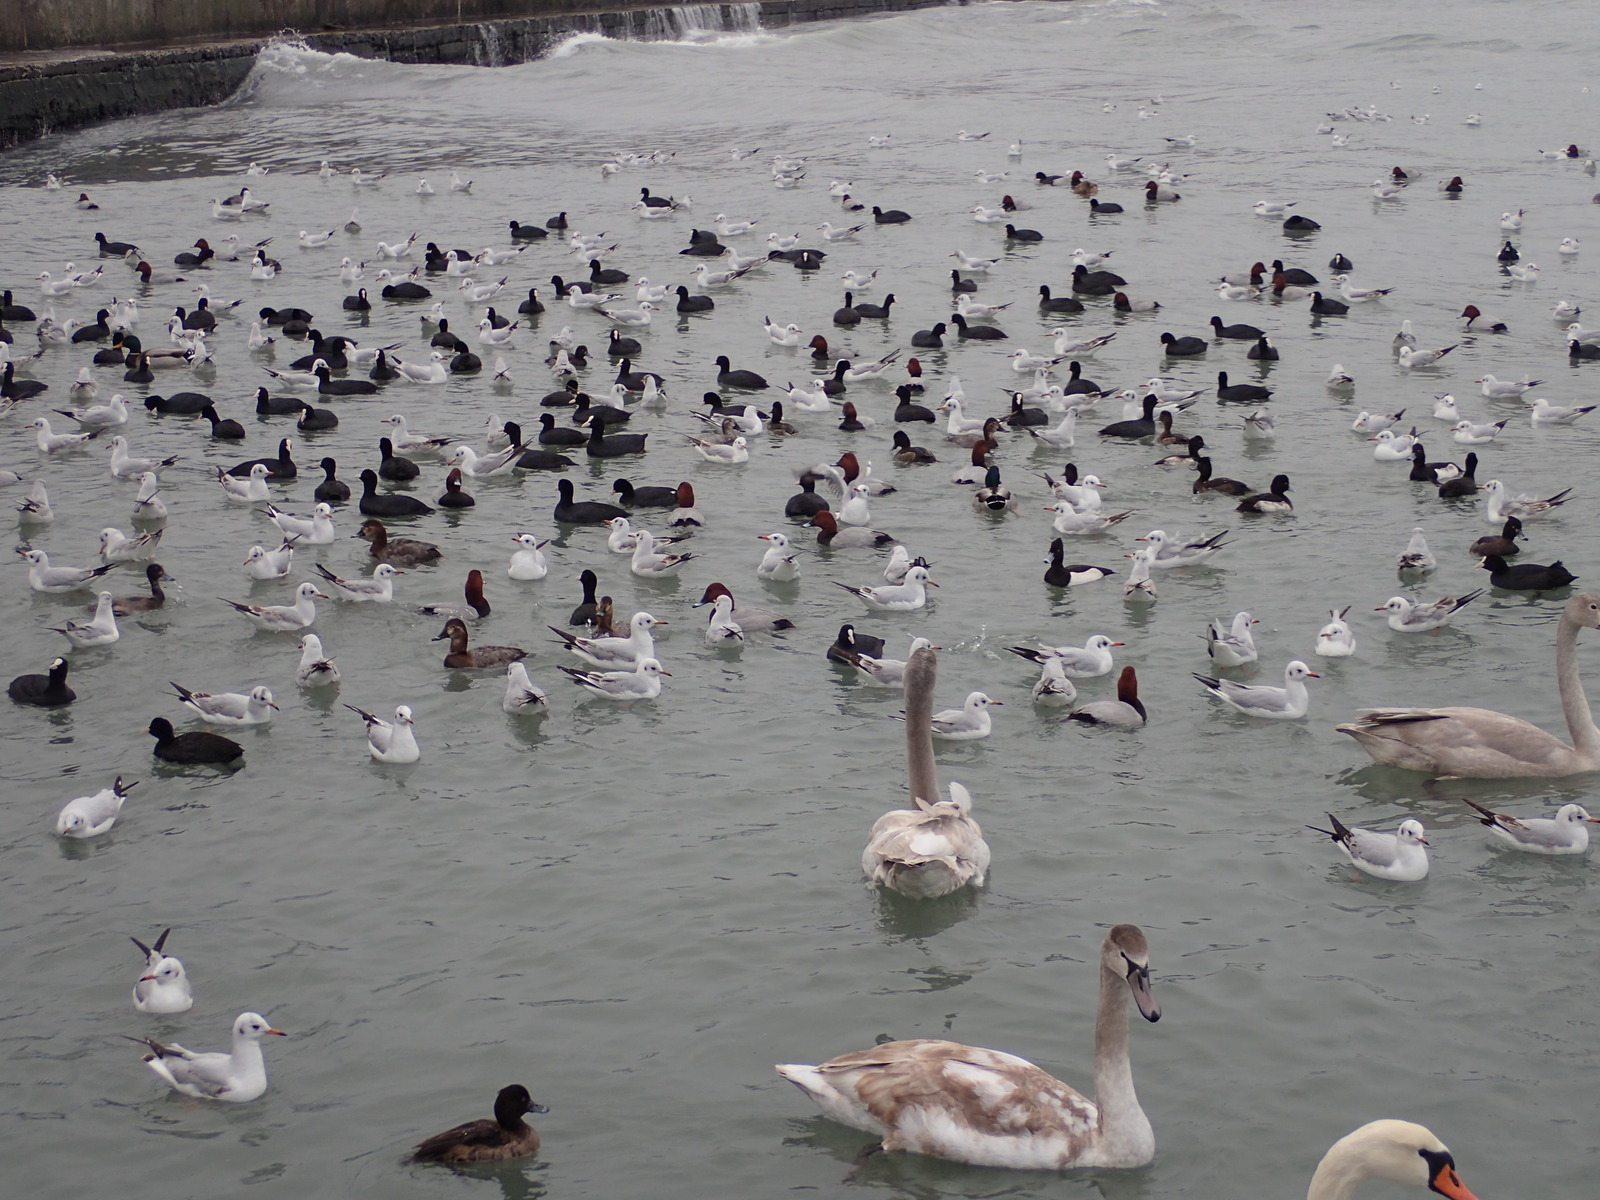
column 45, row 91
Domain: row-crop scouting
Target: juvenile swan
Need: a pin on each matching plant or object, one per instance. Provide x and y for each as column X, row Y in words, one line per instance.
column 934, row 847
column 993, row 1109
column 1477, row 743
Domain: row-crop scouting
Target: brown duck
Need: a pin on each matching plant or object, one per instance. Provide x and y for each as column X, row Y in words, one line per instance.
column 407, row 551
column 507, row 1136
column 461, row 658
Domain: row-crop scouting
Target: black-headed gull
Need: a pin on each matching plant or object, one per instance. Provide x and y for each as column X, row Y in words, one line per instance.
column 42, row 577
column 315, row 530
column 1290, row 702
column 968, row 723
column 1088, row 661
column 1505, row 389
column 1233, row 646
column 379, row 588
column 1499, row 505
column 889, row 672
column 1401, row 856
column 315, row 669
column 282, row 618
column 643, row 682
column 90, row 816
column 390, row 742
column 1407, row 617
column 50, row 442
column 261, row 563
column 779, row 564
column 1469, row 433
column 254, row 707
column 523, row 696
column 1545, row 413
column 1173, row 551
column 906, row 596
column 1335, row 639
column 1565, row 833
column 238, row 1077
column 163, row 985
column 613, row 652
column 1416, row 557
column 100, row 630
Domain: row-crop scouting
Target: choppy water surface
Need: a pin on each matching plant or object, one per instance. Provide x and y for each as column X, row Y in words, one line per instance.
column 636, row 911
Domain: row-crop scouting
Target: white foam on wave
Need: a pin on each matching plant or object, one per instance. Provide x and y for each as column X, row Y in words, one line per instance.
column 574, row 42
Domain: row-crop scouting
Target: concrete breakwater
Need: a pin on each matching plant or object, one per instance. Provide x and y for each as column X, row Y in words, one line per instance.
column 55, row 86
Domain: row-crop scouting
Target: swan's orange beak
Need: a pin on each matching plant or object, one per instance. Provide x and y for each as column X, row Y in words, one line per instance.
column 1446, row 1182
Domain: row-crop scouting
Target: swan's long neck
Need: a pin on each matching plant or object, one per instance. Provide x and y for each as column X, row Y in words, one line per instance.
column 1124, row 1129
column 1361, row 1155
column 1337, row 1177
column 921, row 673
column 1574, row 703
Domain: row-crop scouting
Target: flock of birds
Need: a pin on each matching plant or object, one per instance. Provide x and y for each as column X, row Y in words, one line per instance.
column 935, row 1097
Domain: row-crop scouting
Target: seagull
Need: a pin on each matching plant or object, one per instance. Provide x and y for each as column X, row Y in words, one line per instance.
column 1259, row 425
column 380, row 587
column 90, row 816
column 1466, row 433
column 523, row 696
column 283, row 618
column 1412, row 358
column 968, row 723
column 164, row 986
column 100, row 630
column 1287, row 703
column 1499, row 505
column 238, row 1077
column 969, row 263
column 1401, row 856
column 641, row 683
column 1406, row 617
column 42, row 577
column 1505, row 389
column 1565, row 833
column 50, row 442
column 1416, row 556
column 1335, row 639
column 250, row 490
column 386, row 742
column 1545, row 413
column 1233, row 647
column 263, row 564
column 1054, row 689
column 229, row 708
column 314, row 669
column 890, row 672
column 907, row 596
column 1089, row 661
column 1173, row 551
column 1139, row 586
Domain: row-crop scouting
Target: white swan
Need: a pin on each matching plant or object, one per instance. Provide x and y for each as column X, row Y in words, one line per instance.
column 1478, row 743
column 934, row 847
column 1396, row 1150
column 989, row 1108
